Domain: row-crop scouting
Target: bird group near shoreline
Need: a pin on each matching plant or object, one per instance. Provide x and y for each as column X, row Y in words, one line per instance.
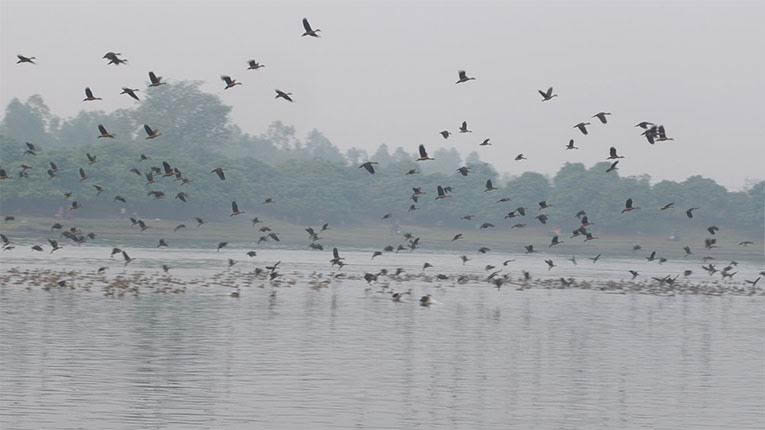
column 581, row 228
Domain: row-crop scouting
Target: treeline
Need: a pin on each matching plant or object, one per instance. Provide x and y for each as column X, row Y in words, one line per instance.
column 311, row 180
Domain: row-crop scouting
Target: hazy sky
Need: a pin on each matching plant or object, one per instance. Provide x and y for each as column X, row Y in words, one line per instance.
column 385, row 72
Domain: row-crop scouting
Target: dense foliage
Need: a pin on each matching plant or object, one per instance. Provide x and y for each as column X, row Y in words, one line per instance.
column 313, row 181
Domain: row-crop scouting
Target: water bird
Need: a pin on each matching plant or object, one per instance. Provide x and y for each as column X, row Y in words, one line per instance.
column 103, row 132
column 254, row 65
column 221, row 245
column 667, row 206
column 426, row 300
column 550, row 264
column 131, row 92
column 369, row 166
column 113, row 58
column 336, row 259
column 612, row 154
column 423, row 154
column 582, row 126
column 464, row 128
column 151, row 133
column 613, row 166
column 489, row 186
column 689, row 212
column 445, row 134
column 602, row 116
column 230, row 83
column 485, row 142
column 547, row 95
column 464, row 170
column 283, row 95
column 89, row 95
column 155, row 80
column 219, row 171
column 23, row 59
column 308, row 30
column 555, row 241
column 571, row 144
column 235, row 209
column 463, row 77
column 441, row 193
column 634, row 274
column 628, row 206
column 520, row 157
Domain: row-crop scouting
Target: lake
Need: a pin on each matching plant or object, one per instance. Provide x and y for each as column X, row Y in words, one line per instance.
column 177, row 351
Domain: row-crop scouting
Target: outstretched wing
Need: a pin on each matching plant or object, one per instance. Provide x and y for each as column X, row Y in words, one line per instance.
column 226, row 79
column 307, row 26
column 628, row 204
column 462, row 74
column 234, row 207
column 88, row 92
column 612, row 151
column 335, row 253
column 423, row 153
column 153, row 78
column 148, row 129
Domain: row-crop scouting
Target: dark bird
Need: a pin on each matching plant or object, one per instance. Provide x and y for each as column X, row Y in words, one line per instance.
column 230, row 83
column 571, row 144
column 746, row 243
column 89, row 95
column 156, row 194
column 613, row 167
column 130, row 92
column 550, row 264
column 23, row 59
column 103, row 133
column 83, row 175
column 162, row 243
column 336, row 259
column 464, row 128
column 544, row 205
column 687, row 250
column 547, row 95
column 520, row 157
column 489, row 186
column 753, row 283
column 463, row 77
column 254, row 65
column 308, row 30
column 595, row 258
column 219, row 171
column 221, row 245
column 113, row 58
column 424, row 154
column 441, row 193
column 283, row 95
column 667, row 206
column 178, row 227
column 369, row 166
column 602, row 116
column 555, row 241
column 235, row 209
column 542, row 218
column 486, row 225
column 612, row 154
column 199, row 221
column 713, row 229
column 689, row 212
column 91, row 158
column 99, row 189
column 652, row 256
column 457, row 237
column 182, row 196
column 127, row 258
column 628, row 206
column 155, row 80
column 445, row 134
column 463, row 170
column 485, row 143
column 634, row 274
column 644, row 124
column 151, row 134
column 529, row 249
column 582, row 126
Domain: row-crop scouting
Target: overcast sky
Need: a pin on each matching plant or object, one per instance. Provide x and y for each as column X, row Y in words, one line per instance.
column 385, row 72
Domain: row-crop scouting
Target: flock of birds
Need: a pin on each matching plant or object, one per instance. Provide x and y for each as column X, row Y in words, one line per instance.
column 652, row 132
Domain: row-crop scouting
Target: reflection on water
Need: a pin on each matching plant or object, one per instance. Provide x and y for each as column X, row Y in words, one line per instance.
column 343, row 357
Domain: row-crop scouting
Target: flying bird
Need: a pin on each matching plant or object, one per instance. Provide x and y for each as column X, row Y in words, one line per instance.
column 283, row 95
column 547, row 95
column 445, row 134
column 308, row 30
column 424, row 154
column 628, row 206
column 230, row 83
column 155, row 80
column 489, row 186
column 103, row 132
column 667, row 206
column 151, row 134
column 689, row 212
column 464, row 128
column 23, row 59
column 254, row 65
column 612, row 154
column 369, row 166
column 602, row 116
column 130, row 92
column 463, row 77
column 520, row 157
column 89, row 95
column 219, row 171
column 235, row 209
column 571, row 145
column 582, row 126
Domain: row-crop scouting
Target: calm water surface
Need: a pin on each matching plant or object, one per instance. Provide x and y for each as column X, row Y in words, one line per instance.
column 347, row 357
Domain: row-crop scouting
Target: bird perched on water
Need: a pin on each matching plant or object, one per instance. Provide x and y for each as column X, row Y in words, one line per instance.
column 424, row 154
column 89, row 97
column 283, row 95
column 547, row 95
column 254, row 65
column 23, row 59
column 230, row 82
column 131, row 92
column 628, row 206
column 602, row 116
column 612, row 154
column 463, row 77
column 151, row 133
column 582, row 126
column 308, row 30
column 369, row 166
